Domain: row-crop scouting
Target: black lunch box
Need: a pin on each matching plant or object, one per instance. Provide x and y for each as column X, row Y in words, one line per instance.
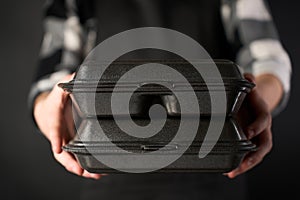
column 226, row 154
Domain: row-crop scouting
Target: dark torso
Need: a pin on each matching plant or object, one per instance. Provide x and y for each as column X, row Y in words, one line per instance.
column 200, row 20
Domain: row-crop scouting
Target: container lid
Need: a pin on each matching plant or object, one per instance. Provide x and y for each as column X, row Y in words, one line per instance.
column 87, row 77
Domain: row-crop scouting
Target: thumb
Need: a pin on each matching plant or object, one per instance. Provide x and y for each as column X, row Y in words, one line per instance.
column 57, row 99
column 249, row 77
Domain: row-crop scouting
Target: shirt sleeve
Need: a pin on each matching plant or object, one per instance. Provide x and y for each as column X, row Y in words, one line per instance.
column 249, row 25
column 68, row 35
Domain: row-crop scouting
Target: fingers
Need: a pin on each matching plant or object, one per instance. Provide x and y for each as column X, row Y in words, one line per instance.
column 254, row 158
column 53, row 114
column 71, row 165
column 69, row 162
column 247, row 164
column 259, row 131
column 69, row 120
column 249, row 77
column 263, row 118
column 61, row 135
column 55, row 140
column 87, row 174
column 57, row 99
column 262, row 122
column 56, row 122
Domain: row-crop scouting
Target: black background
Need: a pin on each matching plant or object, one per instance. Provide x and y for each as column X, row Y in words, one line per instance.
column 28, row 170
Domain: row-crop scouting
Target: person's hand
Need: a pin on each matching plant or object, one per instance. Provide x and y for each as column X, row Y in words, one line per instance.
column 53, row 115
column 255, row 119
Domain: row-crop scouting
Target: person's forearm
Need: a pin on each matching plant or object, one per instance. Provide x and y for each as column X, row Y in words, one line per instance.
column 270, row 89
